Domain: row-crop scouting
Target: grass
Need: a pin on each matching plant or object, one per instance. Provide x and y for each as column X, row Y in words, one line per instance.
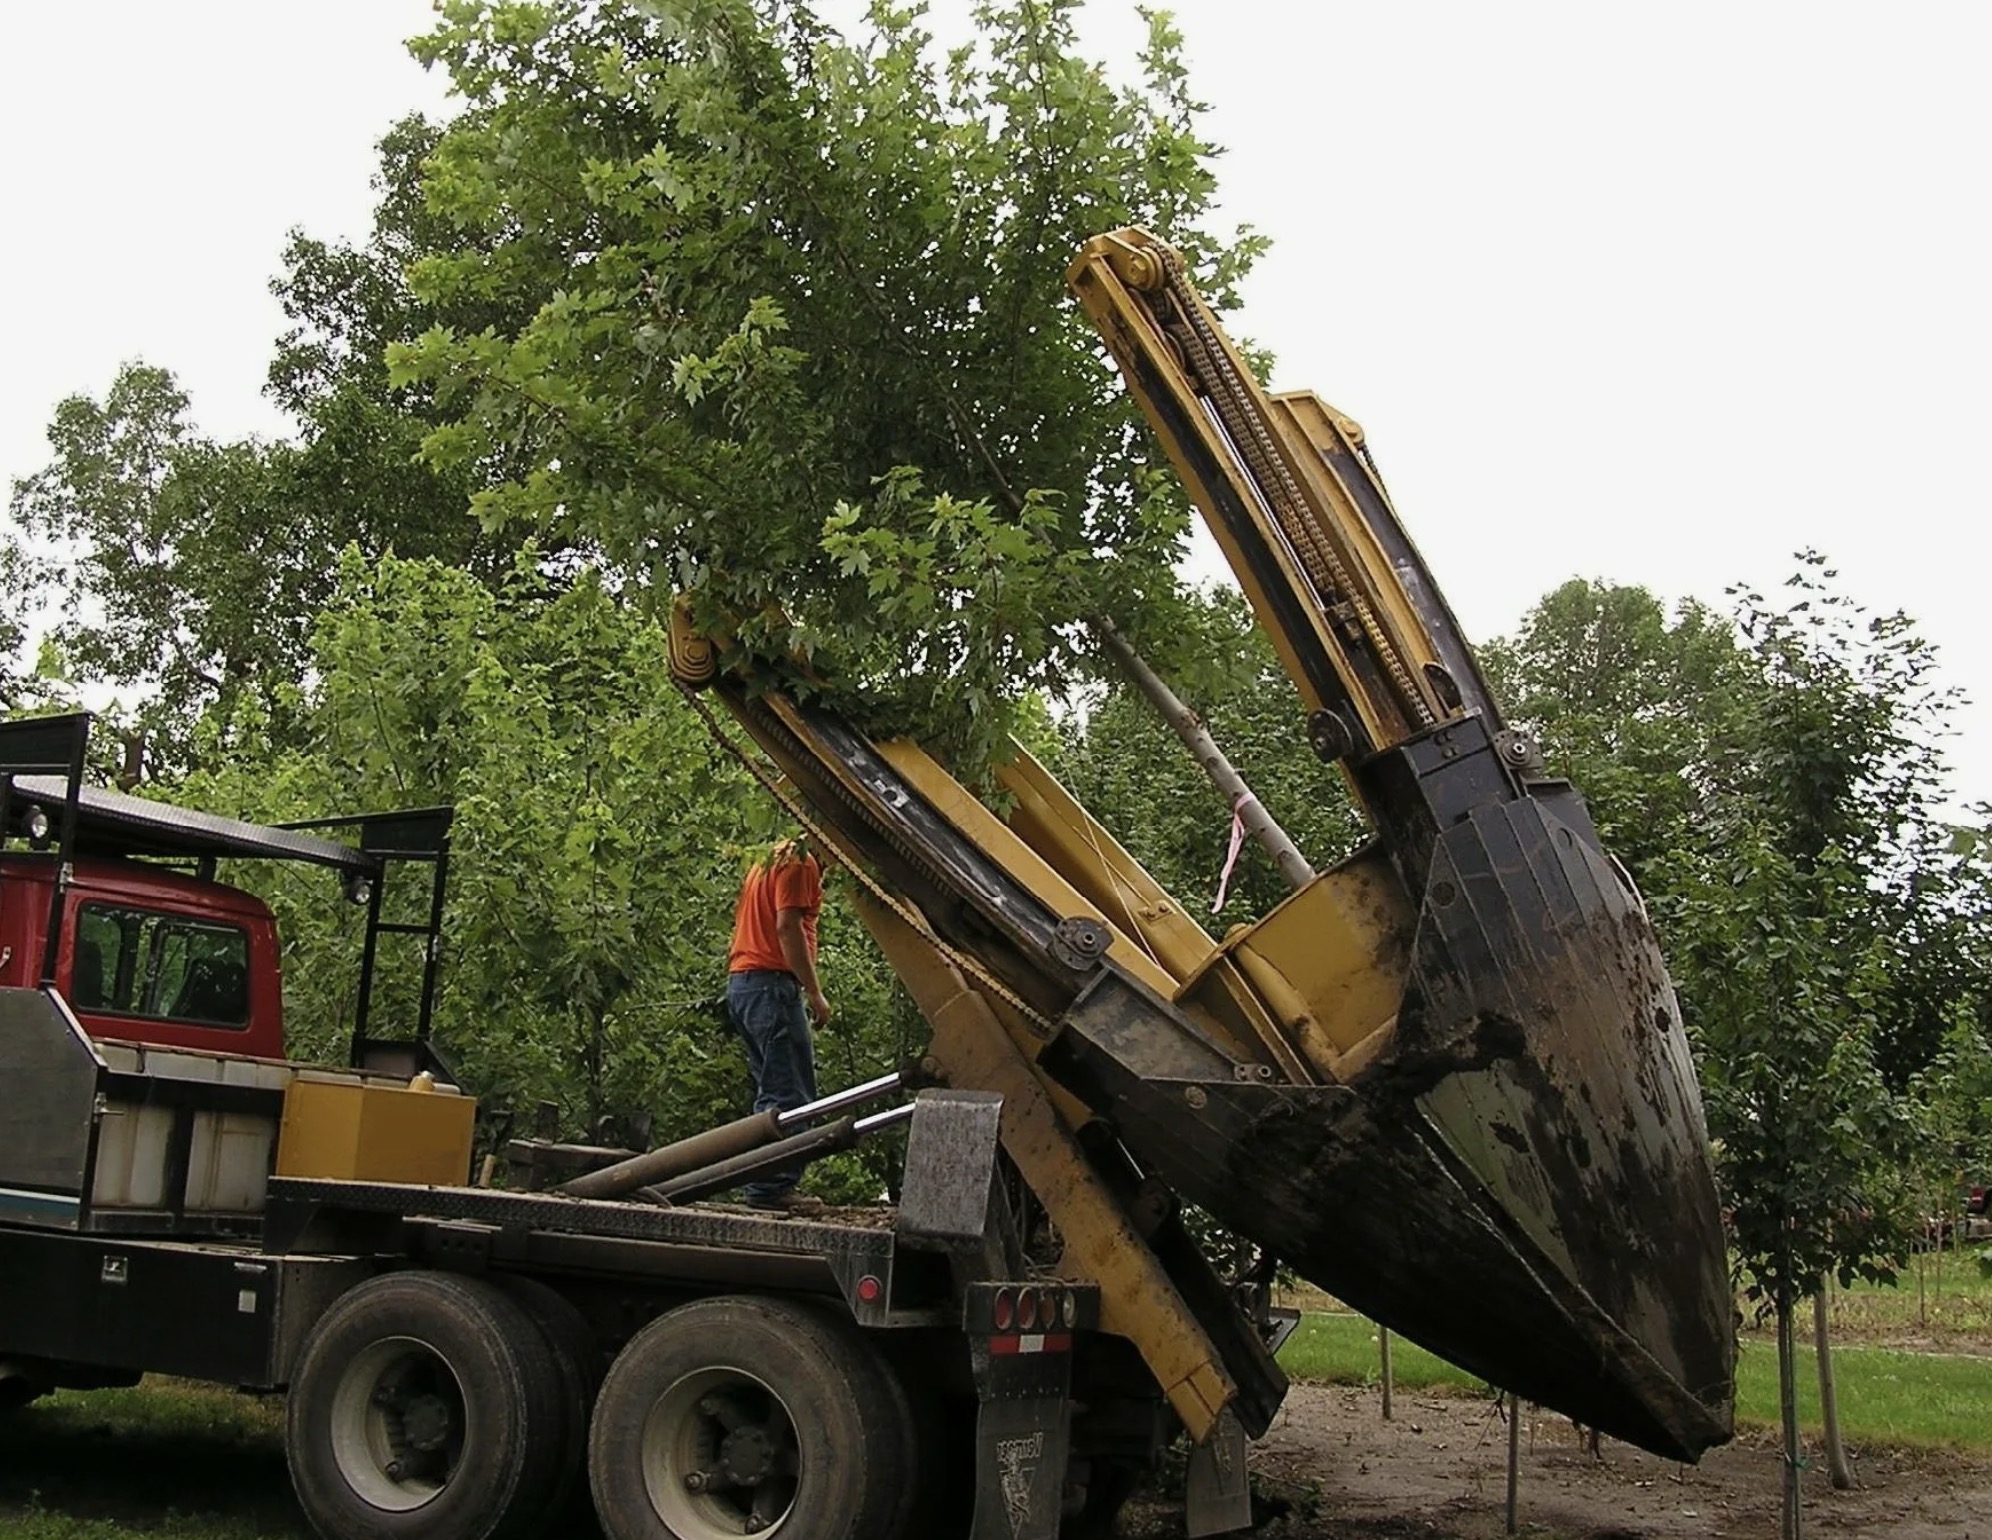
column 1887, row 1396
column 1342, row 1349
column 169, row 1459
column 1922, row 1400
column 1935, row 1297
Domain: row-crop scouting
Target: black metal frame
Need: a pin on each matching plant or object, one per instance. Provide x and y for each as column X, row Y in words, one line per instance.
column 54, row 752
column 420, row 836
column 53, row 746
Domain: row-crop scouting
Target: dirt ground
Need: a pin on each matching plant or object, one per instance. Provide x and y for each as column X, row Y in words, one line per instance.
column 1438, row 1471
column 1330, row 1469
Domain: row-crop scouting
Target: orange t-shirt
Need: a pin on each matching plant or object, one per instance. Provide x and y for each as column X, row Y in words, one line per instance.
column 796, row 883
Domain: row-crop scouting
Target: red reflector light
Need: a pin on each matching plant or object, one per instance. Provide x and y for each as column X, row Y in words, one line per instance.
column 1006, row 1310
column 1027, row 1309
column 870, row 1289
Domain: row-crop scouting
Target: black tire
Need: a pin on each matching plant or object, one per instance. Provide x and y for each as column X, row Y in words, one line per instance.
column 427, row 1405
column 18, row 1390
column 941, row 1495
column 799, row 1419
column 890, row 1410
column 1110, row 1483
column 578, row 1357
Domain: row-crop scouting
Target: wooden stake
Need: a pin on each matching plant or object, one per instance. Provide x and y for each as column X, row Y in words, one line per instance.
column 1514, row 1455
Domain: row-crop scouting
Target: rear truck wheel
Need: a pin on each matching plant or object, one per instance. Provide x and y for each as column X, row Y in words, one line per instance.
column 20, row 1384
column 578, row 1358
column 941, row 1493
column 751, row 1416
column 427, row 1405
column 1109, row 1483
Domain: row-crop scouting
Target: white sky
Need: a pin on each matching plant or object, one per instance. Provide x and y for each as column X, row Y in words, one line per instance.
column 1652, row 293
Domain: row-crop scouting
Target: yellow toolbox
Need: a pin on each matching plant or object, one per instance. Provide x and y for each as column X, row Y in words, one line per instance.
column 366, row 1128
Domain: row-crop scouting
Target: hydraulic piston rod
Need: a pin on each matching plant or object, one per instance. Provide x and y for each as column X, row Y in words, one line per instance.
column 724, row 1143
column 798, row 1149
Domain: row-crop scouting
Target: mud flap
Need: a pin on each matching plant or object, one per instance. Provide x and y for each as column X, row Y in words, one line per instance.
column 1021, row 1443
column 1021, row 1335
column 1217, row 1496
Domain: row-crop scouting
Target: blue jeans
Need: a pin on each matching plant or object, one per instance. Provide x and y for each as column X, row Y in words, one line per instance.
column 768, row 1013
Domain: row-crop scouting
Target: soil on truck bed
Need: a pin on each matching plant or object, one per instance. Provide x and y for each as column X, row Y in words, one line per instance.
column 1438, row 1471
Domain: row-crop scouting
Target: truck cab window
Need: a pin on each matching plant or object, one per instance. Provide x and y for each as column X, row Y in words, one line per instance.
column 172, row 967
column 94, row 973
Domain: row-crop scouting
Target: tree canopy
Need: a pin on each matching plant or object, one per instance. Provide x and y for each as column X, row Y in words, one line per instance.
column 789, row 330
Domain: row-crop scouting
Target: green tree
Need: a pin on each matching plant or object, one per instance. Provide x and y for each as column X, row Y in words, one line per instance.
column 1632, row 704
column 1953, row 1095
column 1657, row 715
column 796, row 338
column 17, row 579
column 1775, row 784
column 579, row 790
column 191, row 569
column 360, row 435
column 1780, row 974
column 1791, row 939
column 1938, row 911
column 599, row 843
column 184, row 570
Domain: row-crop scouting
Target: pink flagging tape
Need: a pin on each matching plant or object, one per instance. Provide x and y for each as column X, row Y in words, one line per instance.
column 1231, row 855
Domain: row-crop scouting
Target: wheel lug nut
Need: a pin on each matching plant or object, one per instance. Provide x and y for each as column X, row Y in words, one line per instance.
column 394, row 1469
column 697, row 1481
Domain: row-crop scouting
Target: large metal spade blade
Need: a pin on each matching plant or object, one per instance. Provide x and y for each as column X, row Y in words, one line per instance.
column 1521, row 1181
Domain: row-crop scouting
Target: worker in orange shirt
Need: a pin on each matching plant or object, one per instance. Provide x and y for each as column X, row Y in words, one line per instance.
column 773, row 993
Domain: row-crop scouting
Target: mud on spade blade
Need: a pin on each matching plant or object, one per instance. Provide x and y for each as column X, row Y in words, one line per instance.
column 1519, row 1181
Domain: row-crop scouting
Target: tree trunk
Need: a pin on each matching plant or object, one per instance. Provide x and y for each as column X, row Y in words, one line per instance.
column 1223, row 775
column 132, row 769
column 592, row 1057
column 1789, row 1529
column 1829, row 1407
column 1922, row 1290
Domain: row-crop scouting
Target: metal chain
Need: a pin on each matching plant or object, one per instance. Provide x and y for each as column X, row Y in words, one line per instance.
column 1249, row 434
column 798, row 810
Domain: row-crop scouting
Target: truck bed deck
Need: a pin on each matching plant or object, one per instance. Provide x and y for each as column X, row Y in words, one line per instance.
column 860, row 1257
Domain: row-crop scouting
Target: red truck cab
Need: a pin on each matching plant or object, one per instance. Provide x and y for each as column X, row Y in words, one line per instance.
column 112, row 901
column 148, row 954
